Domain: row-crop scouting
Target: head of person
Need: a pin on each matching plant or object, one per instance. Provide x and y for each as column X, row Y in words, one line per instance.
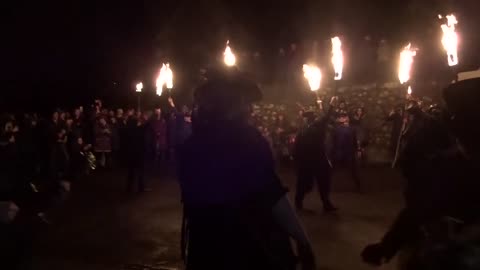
column 343, row 119
column 102, row 121
column 111, row 113
column 185, row 109
column 158, row 112
column 69, row 122
column 77, row 113
column 293, row 47
column 359, row 112
column 55, row 116
column 226, row 96
column 309, row 117
column 62, row 116
column 342, row 105
column 399, row 109
column 119, row 113
column 98, row 103
column 8, row 127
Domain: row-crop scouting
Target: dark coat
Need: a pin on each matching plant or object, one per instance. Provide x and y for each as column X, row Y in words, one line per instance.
column 229, row 187
column 132, row 139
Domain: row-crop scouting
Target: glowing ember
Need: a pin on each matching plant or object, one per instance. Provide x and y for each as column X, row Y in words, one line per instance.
column 337, row 57
column 139, row 87
column 450, row 40
column 313, row 75
column 406, row 61
column 228, row 57
column 409, row 91
column 165, row 78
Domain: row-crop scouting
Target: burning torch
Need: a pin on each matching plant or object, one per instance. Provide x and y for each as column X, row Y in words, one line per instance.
column 138, row 89
column 337, row 61
column 404, row 71
column 314, row 77
column 450, row 39
column 228, row 56
column 165, row 78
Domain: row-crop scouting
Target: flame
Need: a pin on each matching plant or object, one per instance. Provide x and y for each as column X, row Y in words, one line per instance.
column 228, row 57
column 450, row 40
column 406, row 61
column 168, row 75
column 165, row 78
column 313, row 75
column 409, row 91
column 139, row 87
column 337, row 57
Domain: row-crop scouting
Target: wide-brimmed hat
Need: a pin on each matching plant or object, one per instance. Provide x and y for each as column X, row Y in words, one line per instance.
column 463, row 98
column 225, row 89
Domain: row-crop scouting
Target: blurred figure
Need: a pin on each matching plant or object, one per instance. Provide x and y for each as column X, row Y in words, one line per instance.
column 311, row 160
column 396, row 118
column 237, row 215
column 345, row 148
column 103, row 141
column 79, row 162
column 133, row 141
column 158, row 129
column 357, row 121
column 440, row 163
column 59, row 158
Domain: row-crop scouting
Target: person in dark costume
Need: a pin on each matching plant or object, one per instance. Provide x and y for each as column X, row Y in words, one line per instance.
column 311, row 160
column 236, row 213
column 133, row 142
column 345, row 148
column 440, row 162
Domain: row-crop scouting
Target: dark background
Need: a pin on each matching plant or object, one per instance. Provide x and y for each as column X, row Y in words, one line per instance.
column 59, row 53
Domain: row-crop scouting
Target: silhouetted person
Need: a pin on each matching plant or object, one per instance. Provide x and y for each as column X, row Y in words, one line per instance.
column 311, row 160
column 237, row 213
column 345, row 148
column 440, row 162
column 133, row 141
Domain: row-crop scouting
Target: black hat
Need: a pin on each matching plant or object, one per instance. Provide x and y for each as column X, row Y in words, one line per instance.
column 224, row 89
column 463, row 97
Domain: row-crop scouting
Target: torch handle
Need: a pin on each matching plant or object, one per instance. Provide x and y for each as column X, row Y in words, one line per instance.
column 399, row 140
column 138, row 102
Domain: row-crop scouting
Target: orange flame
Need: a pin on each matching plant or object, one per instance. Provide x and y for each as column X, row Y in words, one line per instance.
column 450, row 40
column 406, row 61
column 165, row 78
column 337, row 57
column 313, row 75
column 228, row 56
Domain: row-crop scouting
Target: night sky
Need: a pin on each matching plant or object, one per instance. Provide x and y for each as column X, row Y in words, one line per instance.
column 84, row 49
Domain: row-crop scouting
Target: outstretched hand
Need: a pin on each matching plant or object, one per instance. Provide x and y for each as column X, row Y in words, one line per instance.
column 334, row 101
